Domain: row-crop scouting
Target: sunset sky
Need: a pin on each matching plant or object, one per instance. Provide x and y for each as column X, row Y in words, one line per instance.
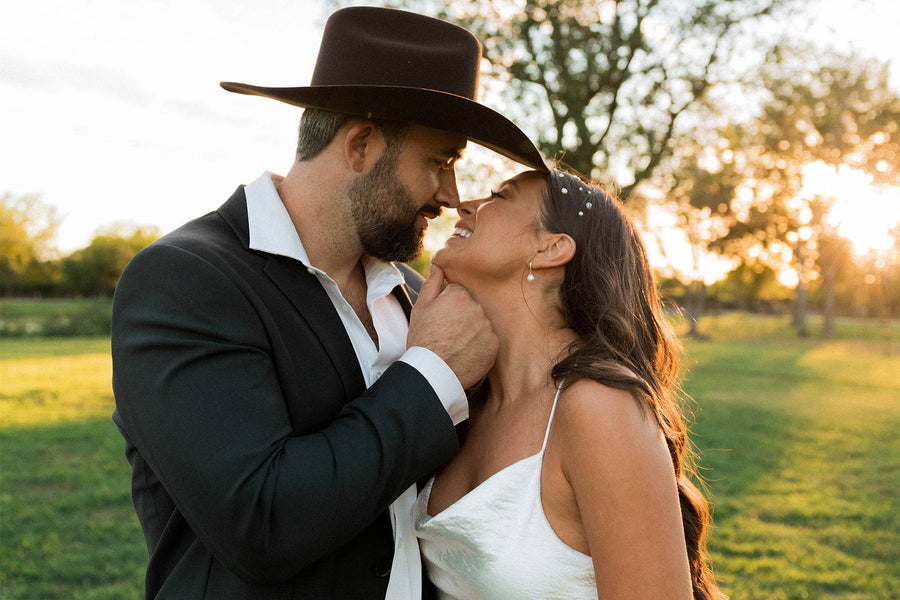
column 111, row 109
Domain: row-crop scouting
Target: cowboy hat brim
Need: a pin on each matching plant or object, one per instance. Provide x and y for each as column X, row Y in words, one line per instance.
column 431, row 108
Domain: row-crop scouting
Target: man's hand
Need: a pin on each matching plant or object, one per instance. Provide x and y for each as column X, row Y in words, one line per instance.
column 452, row 325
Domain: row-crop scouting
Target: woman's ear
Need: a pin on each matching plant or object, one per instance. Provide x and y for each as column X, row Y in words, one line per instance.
column 359, row 146
column 557, row 250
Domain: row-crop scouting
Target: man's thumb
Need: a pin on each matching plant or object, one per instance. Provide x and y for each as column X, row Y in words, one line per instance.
column 432, row 286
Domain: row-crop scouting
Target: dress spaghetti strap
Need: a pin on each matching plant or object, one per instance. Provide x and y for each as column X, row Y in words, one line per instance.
column 552, row 412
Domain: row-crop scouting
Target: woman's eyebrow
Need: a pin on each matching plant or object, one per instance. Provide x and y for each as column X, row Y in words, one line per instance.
column 510, row 182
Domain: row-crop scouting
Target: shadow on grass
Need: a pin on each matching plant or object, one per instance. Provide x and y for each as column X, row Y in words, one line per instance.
column 742, row 427
column 798, row 444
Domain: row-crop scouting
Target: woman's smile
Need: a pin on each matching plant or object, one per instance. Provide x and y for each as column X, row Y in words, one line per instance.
column 460, row 231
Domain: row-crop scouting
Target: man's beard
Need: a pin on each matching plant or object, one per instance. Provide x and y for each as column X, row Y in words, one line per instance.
column 385, row 214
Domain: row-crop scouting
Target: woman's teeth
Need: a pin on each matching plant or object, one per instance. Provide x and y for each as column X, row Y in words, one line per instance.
column 460, row 232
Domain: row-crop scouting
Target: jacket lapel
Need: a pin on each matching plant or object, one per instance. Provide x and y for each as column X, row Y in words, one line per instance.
column 407, row 293
column 307, row 296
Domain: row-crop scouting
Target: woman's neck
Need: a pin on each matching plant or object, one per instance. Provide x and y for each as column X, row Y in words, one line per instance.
column 533, row 337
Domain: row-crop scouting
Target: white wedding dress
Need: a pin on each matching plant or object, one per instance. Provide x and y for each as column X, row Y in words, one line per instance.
column 495, row 543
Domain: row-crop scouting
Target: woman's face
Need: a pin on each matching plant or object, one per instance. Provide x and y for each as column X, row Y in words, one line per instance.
column 496, row 236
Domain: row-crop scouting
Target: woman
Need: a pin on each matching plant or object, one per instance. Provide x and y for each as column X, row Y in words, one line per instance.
column 571, row 480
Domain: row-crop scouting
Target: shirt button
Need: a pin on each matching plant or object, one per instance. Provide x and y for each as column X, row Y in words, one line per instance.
column 310, row 270
column 378, row 374
column 381, row 569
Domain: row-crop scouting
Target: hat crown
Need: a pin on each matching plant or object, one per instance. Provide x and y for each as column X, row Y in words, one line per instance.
column 370, row 46
column 383, row 63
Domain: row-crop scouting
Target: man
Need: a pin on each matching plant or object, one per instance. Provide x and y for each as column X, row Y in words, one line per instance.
column 277, row 406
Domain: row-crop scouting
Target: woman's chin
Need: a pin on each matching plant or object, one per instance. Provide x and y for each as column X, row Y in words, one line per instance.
column 440, row 259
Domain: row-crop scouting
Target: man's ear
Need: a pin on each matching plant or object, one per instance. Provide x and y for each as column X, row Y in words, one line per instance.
column 360, row 146
column 557, row 250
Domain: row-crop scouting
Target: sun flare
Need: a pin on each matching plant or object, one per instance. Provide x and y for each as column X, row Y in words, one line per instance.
column 862, row 212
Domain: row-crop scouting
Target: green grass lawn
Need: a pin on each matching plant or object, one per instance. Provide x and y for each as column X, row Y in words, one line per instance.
column 798, row 440
column 67, row 526
column 799, row 447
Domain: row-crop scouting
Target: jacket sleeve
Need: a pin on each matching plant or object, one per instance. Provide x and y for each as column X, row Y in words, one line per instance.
column 197, row 393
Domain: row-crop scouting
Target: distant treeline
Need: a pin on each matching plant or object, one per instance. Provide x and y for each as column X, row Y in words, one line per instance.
column 30, row 266
column 835, row 284
column 20, row 317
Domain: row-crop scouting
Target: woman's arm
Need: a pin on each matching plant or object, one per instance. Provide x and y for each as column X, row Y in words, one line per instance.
column 618, row 465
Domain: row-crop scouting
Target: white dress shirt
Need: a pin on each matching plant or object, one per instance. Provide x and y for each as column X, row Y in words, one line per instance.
column 272, row 231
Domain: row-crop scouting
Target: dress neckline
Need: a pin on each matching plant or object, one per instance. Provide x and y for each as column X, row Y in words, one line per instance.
column 427, row 491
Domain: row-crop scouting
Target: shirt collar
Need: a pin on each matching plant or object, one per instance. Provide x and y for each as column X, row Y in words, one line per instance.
column 272, row 231
column 271, row 228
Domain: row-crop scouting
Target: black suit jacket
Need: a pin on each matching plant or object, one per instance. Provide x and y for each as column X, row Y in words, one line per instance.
column 262, row 466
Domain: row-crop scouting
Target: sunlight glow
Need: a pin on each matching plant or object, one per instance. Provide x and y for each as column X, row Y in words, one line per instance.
column 669, row 251
column 862, row 212
column 789, row 278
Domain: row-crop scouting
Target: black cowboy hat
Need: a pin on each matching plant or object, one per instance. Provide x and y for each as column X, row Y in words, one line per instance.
column 392, row 64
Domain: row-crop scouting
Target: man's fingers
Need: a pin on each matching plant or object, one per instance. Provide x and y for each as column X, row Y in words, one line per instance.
column 432, row 286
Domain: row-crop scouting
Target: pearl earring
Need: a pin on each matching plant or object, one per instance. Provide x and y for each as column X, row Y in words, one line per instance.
column 530, row 276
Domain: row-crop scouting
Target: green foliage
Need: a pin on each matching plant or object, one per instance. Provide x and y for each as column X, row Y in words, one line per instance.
column 27, row 236
column 82, row 317
column 422, row 265
column 751, row 287
column 29, row 266
column 842, row 111
column 95, row 269
column 838, row 110
column 609, row 83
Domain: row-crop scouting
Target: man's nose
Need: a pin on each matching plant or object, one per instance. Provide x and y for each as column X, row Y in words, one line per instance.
column 447, row 194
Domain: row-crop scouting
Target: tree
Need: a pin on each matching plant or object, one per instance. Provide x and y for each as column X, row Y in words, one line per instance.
column 606, row 83
column 27, row 243
column 95, row 269
column 843, row 112
column 697, row 193
column 752, row 285
column 835, row 258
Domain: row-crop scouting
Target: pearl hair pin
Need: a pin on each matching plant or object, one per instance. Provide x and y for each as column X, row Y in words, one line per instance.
column 588, row 204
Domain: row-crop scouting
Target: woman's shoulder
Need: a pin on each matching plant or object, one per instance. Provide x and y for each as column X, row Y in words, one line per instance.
column 589, row 403
column 592, row 417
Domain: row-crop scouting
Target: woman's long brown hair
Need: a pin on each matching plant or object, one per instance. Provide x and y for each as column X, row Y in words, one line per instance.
column 609, row 298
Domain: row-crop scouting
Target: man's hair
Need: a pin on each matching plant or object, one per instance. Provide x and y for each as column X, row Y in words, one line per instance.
column 318, row 128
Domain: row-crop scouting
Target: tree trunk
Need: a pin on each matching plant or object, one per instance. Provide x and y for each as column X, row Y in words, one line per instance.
column 828, row 329
column 801, row 310
column 694, row 297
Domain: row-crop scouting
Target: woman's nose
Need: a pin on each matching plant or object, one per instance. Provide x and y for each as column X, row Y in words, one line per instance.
column 469, row 207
